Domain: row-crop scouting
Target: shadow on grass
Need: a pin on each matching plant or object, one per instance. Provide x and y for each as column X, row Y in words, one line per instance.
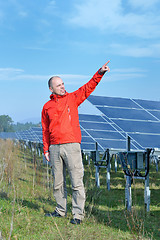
column 22, row 179
column 46, row 201
column 135, row 222
column 108, row 208
column 3, row 195
column 30, row 204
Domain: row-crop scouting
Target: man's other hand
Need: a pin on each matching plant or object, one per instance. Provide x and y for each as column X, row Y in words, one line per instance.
column 47, row 156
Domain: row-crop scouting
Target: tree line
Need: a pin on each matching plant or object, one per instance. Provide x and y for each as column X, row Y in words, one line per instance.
column 7, row 124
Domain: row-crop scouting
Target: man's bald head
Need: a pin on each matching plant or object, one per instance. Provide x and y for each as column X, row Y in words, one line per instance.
column 56, row 85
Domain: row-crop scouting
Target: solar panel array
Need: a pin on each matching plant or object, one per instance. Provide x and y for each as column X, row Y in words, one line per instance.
column 10, row 135
column 120, row 117
column 98, row 129
column 28, row 135
column 140, row 119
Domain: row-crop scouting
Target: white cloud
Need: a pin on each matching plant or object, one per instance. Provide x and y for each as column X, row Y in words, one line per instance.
column 93, row 13
column 14, row 74
column 19, row 7
column 74, row 79
column 111, row 17
column 143, row 4
column 128, row 70
column 23, row 14
column 9, row 73
column 50, row 7
column 123, row 74
column 152, row 50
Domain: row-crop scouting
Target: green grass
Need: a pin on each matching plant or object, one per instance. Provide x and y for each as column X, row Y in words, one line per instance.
column 26, row 195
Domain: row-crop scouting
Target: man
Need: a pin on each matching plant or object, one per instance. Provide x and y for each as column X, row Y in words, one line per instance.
column 61, row 142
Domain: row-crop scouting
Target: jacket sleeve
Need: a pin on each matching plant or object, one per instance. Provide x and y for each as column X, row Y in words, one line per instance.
column 83, row 92
column 45, row 130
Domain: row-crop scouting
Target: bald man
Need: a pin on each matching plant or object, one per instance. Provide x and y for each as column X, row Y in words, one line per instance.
column 62, row 139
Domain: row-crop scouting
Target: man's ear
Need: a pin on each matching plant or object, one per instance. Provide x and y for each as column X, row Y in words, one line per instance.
column 51, row 89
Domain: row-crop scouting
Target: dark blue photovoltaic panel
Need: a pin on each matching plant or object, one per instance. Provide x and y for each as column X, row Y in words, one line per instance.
column 90, row 147
column 126, row 113
column 107, row 119
column 117, row 144
column 155, row 113
column 148, row 141
column 138, row 126
column 27, row 135
column 87, row 139
column 93, row 118
column 97, row 126
column 152, row 105
column 36, row 129
column 88, row 142
column 112, row 101
column 105, row 134
column 8, row 135
column 140, row 119
column 83, row 133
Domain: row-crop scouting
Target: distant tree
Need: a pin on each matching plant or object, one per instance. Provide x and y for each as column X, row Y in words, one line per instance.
column 6, row 123
column 24, row 126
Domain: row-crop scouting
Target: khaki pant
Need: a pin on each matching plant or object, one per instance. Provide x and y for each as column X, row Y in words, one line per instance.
column 68, row 156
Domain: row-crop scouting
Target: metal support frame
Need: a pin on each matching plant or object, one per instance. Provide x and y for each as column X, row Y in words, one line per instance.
column 147, row 194
column 97, row 176
column 155, row 158
column 104, row 162
column 132, row 164
column 108, row 169
column 128, row 195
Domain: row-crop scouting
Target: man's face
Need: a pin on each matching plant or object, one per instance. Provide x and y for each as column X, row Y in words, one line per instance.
column 57, row 86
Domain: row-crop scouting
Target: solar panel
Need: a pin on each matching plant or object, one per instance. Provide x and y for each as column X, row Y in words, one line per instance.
column 126, row 113
column 37, row 132
column 131, row 126
column 96, row 128
column 27, row 135
column 140, row 119
column 147, row 140
column 96, row 125
column 155, row 113
column 111, row 101
column 7, row 135
column 146, row 104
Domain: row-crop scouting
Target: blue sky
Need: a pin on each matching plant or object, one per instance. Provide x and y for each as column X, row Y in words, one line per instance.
column 73, row 39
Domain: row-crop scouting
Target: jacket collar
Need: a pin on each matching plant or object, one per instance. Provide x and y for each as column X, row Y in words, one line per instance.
column 55, row 96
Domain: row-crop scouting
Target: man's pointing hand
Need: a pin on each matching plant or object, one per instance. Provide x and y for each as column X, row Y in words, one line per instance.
column 105, row 68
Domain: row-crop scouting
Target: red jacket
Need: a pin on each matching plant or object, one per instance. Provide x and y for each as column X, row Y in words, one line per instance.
column 60, row 121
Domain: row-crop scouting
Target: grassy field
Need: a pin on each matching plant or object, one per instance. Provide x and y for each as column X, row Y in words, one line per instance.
column 26, row 195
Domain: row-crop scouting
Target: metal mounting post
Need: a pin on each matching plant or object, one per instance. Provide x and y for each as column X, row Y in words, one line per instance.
column 108, row 169
column 115, row 164
column 147, row 192
column 128, row 195
column 97, row 176
column 97, row 167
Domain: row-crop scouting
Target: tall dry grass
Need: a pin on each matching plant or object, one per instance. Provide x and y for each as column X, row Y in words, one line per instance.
column 8, row 153
column 8, row 157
